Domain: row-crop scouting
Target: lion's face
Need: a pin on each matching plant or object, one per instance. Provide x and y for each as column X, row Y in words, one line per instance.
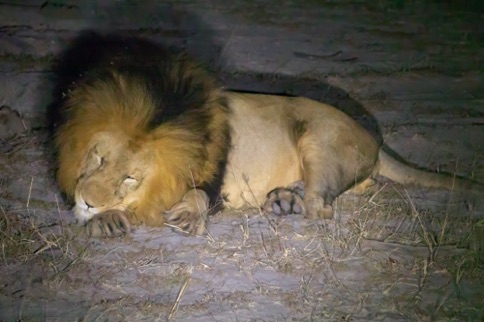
column 113, row 175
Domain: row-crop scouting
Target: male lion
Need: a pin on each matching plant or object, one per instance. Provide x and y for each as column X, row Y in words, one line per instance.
column 144, row 139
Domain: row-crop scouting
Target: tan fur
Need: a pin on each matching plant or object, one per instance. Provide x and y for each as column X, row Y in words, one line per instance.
column 319, row 154
column 111, row 160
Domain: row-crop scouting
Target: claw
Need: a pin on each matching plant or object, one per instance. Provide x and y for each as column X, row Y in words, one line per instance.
column 110, row 223
column 189, row 216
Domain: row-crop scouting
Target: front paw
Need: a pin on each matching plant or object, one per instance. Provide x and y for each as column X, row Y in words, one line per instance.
column 110, row 223
column 189, row 216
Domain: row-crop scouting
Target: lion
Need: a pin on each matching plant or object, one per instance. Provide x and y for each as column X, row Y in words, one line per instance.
column 153, row 142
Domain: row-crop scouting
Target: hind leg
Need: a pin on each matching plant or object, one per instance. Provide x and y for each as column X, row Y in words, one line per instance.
column 329, row 170
column 323, row 178
column 289, row 200
column 323, row 182
column 330, row 166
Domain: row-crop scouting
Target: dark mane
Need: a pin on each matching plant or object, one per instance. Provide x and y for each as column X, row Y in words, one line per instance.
column 175, row 83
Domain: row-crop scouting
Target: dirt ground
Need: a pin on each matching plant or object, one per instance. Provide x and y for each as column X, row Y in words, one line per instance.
column 411, row 72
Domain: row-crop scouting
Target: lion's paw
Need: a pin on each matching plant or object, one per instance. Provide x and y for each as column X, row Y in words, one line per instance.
column 284, row 201
column 189, row 216
column 318, row 209
column 110, row 223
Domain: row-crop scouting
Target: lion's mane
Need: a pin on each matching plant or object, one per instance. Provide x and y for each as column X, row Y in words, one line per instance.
column 156, row 98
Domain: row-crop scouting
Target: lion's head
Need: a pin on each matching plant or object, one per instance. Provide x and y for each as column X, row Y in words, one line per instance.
column 115, row 174
column 141, row 175
column 136, row 139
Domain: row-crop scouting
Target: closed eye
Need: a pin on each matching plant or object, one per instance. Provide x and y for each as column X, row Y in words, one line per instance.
column 130, row 180
column 100, row 160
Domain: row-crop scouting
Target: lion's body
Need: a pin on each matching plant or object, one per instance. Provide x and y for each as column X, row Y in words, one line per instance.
column 137, row 139
column 274, row 136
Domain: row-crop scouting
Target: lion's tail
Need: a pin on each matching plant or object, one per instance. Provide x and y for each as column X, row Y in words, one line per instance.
column 407, row 175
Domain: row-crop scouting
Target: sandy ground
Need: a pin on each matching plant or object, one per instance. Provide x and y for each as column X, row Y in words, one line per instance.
column 411, row 72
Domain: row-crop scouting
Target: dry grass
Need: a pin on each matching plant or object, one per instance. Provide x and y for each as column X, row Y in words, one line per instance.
column 22, row 238
column 394, row 254
column 381, row 248
column 390, row 254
